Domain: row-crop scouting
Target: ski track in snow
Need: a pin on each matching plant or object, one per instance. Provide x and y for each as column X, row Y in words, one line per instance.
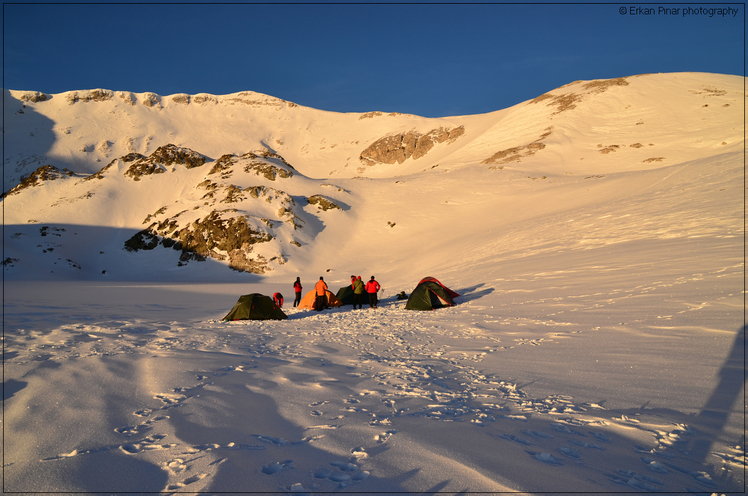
column 411, row 368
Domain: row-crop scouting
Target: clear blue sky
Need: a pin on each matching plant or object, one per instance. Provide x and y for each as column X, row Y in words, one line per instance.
column 427, row 59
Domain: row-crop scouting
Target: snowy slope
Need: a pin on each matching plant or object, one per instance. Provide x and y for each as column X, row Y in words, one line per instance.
column 584, row 133
column 595, row 235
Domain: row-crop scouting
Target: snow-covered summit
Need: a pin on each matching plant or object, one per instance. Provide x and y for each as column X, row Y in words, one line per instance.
column 129, row 162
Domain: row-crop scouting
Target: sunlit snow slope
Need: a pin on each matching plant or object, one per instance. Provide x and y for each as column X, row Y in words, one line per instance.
column 586, row 166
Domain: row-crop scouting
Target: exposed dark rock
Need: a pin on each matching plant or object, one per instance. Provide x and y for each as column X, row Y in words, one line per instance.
column 160, row 211
column 227, row 239
column 181, row 98
column 323, row 203
column 203, row 98
column 233, row 194
column 163, row 157
column 130, row 157
column 151, row 100
column 224, row 165
column 40, row 175
column 268, row 170
column 569, row 101
column 516, row 153
column 34, row 96
column 143, row 240
column 89, row 96
column 400, row 147
column 171, row 154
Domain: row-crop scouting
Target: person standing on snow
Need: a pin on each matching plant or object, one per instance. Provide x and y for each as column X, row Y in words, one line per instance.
column 358, row 292
column 321, row 289
column 372, row 287
column 297, row 290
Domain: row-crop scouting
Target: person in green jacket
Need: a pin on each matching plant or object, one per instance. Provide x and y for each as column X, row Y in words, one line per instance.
column 358, row 292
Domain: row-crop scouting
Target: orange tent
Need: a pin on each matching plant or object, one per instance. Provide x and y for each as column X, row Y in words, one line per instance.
column 311, row 297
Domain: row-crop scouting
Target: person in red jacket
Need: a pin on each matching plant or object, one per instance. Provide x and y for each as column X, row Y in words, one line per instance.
column 321, row 289
column 297, row 290
column 371, row 288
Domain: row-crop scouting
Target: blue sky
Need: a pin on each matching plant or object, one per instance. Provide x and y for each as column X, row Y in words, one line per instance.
column 430, row 59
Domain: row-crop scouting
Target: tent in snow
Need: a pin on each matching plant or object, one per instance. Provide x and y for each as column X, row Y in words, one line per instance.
column 255, row 307
column 310, row 299
column 430, row 294
column 345, row 295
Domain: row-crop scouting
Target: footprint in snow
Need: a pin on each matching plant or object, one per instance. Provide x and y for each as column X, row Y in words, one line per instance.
column 654, row 466
column 175, row 466
column 135, row 448
column 565, row 430
column 600, row 437
column 186, row 482
column 700, row 477
column 637, row 481
column 297, row 488
column 571, row 453
column 384, row 436
column 275, row 467
column 537, row 434
column 324, row 427
column 586, row 445
column 546, row 458
column 132, row 430
column 345, row 474
column 282, row 442
column 516, row 439
column 359, row 453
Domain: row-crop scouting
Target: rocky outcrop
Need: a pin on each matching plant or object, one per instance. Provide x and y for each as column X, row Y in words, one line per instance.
column 259, row 163
column 130, row 157
column 217, row 235
column 516, row 153
column 323, row 203
column 400, row 147
column 224, row 166
column 569, row 101
column 89, row 96
column 151, row 100
column 39, row 176
column 162, row 158
column 34, row 97
column 181, row 98
column 268, row 170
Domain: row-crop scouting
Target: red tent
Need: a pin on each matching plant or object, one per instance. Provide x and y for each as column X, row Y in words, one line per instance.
column 431, row 279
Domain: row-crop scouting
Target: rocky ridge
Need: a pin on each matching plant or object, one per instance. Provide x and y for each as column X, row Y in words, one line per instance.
column 224, row 215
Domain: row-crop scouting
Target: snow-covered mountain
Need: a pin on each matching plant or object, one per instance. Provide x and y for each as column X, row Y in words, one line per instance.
column 595, row 235
column 98, row 183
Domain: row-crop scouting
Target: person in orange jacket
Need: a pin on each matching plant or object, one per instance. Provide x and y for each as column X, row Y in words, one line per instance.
column 371, row 288
column 321, row 289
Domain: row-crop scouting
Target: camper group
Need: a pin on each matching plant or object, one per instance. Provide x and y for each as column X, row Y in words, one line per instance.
column 429, row 294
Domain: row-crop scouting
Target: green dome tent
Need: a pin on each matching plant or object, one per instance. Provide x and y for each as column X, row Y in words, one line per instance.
column 430, row 294
column 255, row 307
column 345, row 295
